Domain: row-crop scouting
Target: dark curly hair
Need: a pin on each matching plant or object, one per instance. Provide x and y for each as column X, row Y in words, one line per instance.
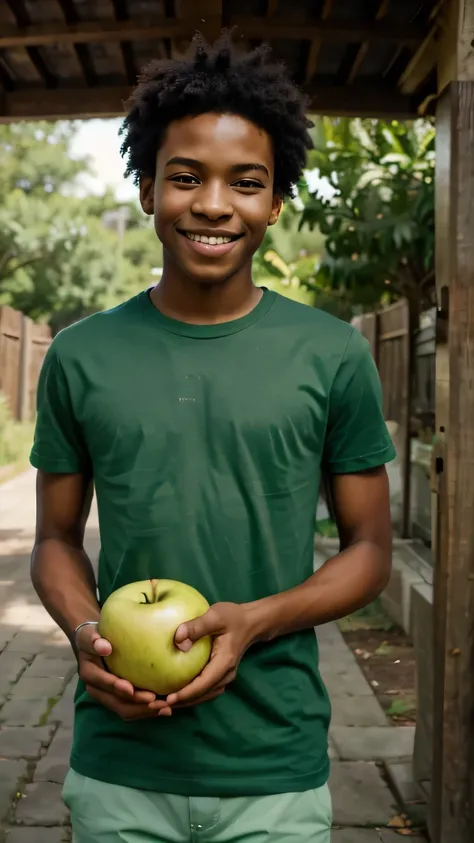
column 218, row 79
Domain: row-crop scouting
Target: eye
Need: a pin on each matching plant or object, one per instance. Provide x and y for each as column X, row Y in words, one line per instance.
column 184, row 178
column 248, row 184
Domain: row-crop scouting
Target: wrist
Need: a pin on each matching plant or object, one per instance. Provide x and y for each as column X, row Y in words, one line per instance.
column 261, row 620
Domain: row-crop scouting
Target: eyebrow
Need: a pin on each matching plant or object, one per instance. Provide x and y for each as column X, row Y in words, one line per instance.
column 236, row 168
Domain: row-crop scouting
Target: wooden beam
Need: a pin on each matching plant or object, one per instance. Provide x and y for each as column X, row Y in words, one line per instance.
column 453, row 612
column 420, row 65
column 22, row 17
column 361, row 101
column 130, row 71
column 315, row 48
column 68, row 103
column 363, row 48
column 81, row 103
column 269, row 28
column 206, row 15
column 82, row 53
column 330, row 30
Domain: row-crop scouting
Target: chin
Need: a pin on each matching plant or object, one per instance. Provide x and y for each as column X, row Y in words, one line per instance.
column 210, row 276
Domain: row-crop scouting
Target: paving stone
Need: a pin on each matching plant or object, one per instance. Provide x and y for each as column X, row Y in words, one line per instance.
column 350, row 682
column 373, row 743
column 368, row 835
column 24, row 742
column 344, row 659
column 332, row 750
column 359, row 794
column 353, row 835
column 329, row 635
column 36, row 835
column 24, row 712
column 45, row 667
column 357, row 711
column 31, row 688
column 10, row 774
column 26, row 641
column 55, row 764
column 402, row 781
column 41, row 805
column 63, row 711
column 51, row 642
column 12, row 666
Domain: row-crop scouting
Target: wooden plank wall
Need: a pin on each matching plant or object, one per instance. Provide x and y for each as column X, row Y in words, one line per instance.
column 23, row 345
column 388, row 333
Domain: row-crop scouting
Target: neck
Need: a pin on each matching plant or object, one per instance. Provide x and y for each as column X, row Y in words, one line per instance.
column 180, row 297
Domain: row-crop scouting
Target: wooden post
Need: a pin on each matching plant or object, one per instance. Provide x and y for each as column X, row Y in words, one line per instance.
column 453, row 749
column 24, row 411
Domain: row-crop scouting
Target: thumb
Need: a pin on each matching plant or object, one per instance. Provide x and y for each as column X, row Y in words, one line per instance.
column 191, row 631
column 89, row 640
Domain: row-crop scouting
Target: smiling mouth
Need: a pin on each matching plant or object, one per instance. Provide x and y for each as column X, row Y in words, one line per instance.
column 218, row 240
column 209, row 245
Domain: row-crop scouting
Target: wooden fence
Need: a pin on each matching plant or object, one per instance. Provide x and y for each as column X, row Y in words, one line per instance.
column 388, row 332
column 23, row 345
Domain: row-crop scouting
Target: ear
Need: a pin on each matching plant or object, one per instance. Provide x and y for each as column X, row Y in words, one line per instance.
column 147, row 195
column 276, row 210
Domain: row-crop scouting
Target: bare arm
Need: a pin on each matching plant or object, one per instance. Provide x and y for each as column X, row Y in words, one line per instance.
column 352, row 578
column 64, row 579
column 61, row 572
column 348, row 581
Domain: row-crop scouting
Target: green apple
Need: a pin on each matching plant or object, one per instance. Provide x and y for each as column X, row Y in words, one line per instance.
column 140, row 620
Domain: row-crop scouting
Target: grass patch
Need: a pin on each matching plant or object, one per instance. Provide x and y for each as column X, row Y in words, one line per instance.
column 402, row 707
column 372, row 616
column 327, row 528
column 52, row 701
column 15, row 442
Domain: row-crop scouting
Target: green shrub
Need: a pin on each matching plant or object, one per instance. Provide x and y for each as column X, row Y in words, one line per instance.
column 15, row 437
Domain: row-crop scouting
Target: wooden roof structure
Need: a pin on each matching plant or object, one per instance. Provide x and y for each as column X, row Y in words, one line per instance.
column 79, row 58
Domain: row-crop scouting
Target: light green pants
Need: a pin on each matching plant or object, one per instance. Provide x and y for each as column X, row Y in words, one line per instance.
column 106, row 813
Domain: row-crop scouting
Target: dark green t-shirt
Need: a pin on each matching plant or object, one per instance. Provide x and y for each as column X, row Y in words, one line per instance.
column 206, row 445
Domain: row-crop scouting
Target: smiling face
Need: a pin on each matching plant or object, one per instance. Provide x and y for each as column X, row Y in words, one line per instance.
column 212, row 196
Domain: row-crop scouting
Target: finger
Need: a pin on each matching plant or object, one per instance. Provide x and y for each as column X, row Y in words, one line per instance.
column 102, row 647
column 92, row 673
column 188, row 633
column 158, row 705
column 90, row 641
column 212, row 695
column 127, row 711
column 212, row 676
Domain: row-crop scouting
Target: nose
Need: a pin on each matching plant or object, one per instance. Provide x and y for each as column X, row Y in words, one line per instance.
column 213, row 200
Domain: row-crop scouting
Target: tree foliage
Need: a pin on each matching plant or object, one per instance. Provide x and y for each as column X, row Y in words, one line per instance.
column 58, row 260
column 374, row 206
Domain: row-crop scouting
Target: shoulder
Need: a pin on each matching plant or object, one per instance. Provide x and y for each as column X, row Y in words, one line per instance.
column 325, row 329
column 86, row 335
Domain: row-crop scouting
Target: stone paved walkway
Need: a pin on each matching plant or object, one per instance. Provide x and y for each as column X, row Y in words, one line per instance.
column 37, row 682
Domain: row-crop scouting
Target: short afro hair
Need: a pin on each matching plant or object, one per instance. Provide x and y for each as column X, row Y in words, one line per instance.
column 218, row 79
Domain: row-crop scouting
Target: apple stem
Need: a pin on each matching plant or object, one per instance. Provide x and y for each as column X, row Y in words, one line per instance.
column 154, row 586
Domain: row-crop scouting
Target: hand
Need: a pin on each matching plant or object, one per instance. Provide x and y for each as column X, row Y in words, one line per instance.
column 229, row 625
column 116, row 694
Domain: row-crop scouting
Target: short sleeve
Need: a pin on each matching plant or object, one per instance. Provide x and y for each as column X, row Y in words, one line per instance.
column 58, row 446
column 357, row 437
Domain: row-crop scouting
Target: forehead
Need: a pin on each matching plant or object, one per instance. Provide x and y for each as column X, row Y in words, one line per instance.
column 218, row 140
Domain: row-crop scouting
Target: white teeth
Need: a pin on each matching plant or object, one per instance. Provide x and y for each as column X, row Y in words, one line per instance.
column 211, row 241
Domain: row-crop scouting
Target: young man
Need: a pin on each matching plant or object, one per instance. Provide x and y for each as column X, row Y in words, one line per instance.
column 204, row 411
